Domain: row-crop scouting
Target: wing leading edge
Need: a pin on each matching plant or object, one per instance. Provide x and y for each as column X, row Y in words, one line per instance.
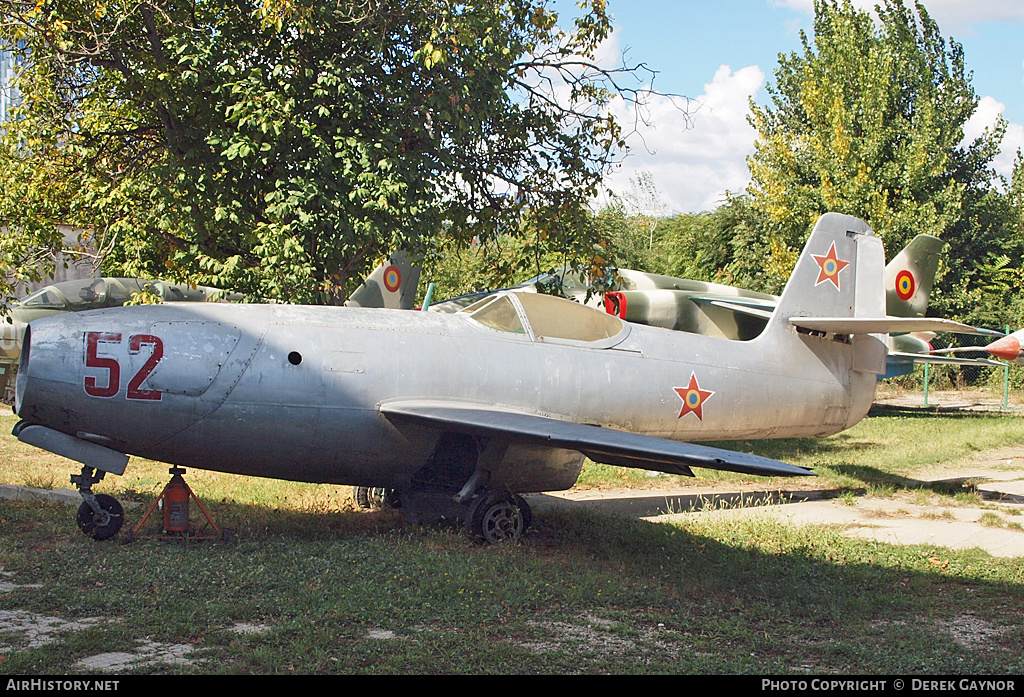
column 602, row 445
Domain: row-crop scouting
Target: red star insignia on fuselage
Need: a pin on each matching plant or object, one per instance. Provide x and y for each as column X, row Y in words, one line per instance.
column 829, row 267
column 693, row 398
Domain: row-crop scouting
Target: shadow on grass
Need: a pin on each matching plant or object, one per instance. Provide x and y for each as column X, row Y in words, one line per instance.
column 940, row 412
column 583, row 593
column 946, row 487
column 655, row 504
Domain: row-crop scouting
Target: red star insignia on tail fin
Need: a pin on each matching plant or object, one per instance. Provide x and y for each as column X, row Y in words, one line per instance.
column 829, row 267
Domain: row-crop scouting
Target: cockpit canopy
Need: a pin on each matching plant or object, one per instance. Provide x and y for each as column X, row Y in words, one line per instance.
column 547, row 318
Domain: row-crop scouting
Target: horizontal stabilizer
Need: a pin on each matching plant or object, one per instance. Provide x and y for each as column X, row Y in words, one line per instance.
column 886, row 325
column 602, row 445
column 942, row 359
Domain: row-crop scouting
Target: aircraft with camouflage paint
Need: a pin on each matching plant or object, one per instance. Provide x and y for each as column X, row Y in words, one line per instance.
column 729, row 312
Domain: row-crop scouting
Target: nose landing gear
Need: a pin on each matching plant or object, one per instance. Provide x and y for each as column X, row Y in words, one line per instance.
column 100, row 516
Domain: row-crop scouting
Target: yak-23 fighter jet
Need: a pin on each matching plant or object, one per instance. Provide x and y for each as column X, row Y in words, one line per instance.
column 458, row 413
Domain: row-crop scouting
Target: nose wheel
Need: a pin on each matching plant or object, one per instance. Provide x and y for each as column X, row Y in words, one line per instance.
column 100, row 516
column 102, row 524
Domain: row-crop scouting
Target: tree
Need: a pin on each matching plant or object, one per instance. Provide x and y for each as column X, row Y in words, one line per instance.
column 869, row 121
column 279, row 148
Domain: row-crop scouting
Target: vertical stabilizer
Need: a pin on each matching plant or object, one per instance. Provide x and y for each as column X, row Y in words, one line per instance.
column 910, row 275
column 840, row 274
column 392, row 285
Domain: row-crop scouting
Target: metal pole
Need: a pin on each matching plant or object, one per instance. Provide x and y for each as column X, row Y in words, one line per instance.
column 426, row 300
column 1006, row 380
column 926, row 384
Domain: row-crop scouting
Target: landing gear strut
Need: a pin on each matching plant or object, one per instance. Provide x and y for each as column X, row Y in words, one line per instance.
column 100, row 516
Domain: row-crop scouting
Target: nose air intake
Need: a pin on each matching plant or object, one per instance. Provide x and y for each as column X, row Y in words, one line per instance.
column 22, row 379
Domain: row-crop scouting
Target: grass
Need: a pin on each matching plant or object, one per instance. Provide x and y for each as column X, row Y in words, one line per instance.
column 328, row 589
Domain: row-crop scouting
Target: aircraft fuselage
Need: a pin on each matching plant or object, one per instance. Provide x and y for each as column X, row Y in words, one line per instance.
column 294, row 392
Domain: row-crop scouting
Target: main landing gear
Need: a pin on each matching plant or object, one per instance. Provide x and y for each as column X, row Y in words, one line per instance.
column 488, row 516
column 375, row 497
column 498, row 516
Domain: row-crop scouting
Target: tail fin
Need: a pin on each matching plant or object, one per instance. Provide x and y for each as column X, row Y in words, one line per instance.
column 392, row 285
column 910, row 275
column 839, row 276
column 839, row 273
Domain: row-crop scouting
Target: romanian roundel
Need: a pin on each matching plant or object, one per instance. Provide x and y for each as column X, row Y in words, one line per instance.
column 392, row 278
column 905, row 285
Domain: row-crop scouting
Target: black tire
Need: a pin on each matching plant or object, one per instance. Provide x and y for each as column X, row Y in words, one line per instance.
column 101, row 526
column 498, row 516
column 374, row 497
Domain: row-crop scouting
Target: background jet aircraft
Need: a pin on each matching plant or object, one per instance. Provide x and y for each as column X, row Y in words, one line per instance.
column 392, row 284
column 458, row 413
column 729, row 312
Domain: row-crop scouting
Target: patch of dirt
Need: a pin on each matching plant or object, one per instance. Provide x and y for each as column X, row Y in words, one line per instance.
column 595, row 634
column 147, row 653
column 38, row 630
column 971, row 632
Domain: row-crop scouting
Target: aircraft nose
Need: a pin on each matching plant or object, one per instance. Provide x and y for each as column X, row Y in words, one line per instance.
column 1007, row 348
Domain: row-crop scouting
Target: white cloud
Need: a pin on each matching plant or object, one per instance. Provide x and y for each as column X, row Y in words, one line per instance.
column 695, row 158
column 984, row 117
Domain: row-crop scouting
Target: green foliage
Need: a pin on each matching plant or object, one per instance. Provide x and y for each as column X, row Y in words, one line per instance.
column 572, row 238
column 279, row 148
column 869, row 121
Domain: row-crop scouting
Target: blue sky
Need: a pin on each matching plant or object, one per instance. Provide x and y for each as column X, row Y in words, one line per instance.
column 719, row 53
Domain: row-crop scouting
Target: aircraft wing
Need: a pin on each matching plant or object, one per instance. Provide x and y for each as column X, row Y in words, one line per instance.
column 602, row 445
column 887, row 325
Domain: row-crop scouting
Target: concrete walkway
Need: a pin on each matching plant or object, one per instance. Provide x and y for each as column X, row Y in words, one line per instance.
column 995, row 524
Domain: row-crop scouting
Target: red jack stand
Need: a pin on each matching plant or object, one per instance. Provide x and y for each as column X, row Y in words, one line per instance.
column 176, row 496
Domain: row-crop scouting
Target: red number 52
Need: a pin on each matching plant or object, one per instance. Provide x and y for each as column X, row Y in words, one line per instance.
column 113, row 368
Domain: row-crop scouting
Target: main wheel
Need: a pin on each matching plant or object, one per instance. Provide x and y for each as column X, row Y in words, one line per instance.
column 499, row 516
column 103, row 525
column 375, row 497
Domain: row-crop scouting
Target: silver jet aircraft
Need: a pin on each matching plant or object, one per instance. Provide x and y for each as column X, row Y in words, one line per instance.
column 458, row 413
